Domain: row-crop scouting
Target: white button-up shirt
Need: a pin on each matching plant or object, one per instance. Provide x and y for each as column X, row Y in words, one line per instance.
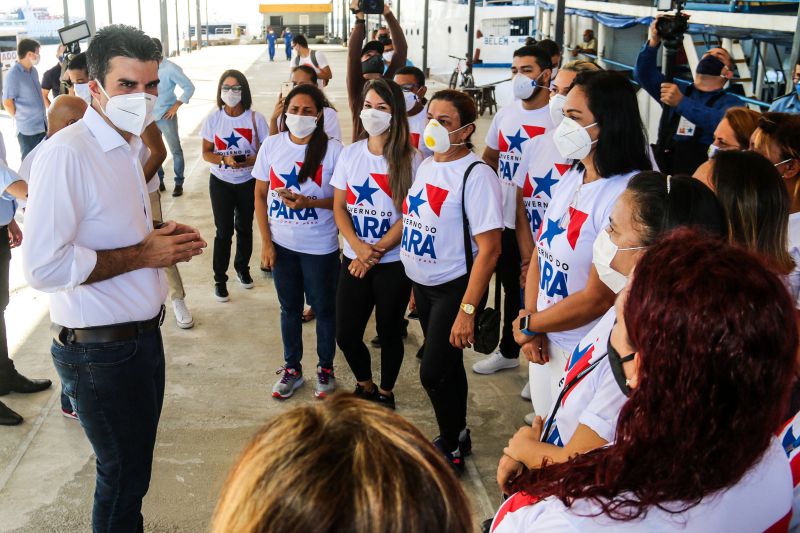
column 86, row 194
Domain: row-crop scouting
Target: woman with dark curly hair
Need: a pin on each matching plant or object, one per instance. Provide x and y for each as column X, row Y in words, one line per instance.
column 705, row 346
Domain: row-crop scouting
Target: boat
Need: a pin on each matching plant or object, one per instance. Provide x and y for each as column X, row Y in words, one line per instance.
column 32, row 22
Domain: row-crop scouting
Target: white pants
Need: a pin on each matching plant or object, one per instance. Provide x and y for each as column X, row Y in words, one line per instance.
column 544, row 379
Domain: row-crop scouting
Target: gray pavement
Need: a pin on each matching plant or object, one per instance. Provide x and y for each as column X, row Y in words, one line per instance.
column 219, row 374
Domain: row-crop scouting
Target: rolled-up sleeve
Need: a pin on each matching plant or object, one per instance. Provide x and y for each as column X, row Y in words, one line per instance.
column 57, row 204
column 186, row 85
column 7, row 177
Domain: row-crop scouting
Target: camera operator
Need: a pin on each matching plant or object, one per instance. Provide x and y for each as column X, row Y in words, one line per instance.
column 367, row 63
column 687, row 124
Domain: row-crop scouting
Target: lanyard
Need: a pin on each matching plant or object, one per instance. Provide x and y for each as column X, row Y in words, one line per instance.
column 564, row 390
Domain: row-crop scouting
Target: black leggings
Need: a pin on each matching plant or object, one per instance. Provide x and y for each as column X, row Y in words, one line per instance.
column 442, row 369
column 508, row 272
column 233, row 206
column 386, row 288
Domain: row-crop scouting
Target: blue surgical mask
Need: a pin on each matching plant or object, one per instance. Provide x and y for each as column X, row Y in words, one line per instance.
column 797, row 89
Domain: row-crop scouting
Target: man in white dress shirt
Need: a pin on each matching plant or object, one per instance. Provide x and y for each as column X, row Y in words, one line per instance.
column 90, row 242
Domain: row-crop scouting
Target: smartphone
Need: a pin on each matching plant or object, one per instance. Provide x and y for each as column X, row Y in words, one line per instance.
column 241, row 158
column 283, row 192
column 286, row 88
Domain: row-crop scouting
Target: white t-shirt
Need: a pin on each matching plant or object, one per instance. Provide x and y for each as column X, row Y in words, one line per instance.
column 312, row 230
column 432, row 247
column 322, row 61
column 365, row 177
column 234, row 136
column 793, row 278
column 761, row 500
column 790, row 440
column 539, row 172
column 576, row 214
column 512, row 127
column 594, row 401
column 416, row 126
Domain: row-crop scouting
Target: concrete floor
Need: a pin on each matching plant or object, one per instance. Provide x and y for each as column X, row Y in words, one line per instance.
column 219, row 374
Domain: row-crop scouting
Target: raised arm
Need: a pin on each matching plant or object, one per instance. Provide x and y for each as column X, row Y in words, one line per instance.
column 398, row 40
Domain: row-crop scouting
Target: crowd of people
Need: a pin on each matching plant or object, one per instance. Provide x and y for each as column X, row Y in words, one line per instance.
column 652, row 289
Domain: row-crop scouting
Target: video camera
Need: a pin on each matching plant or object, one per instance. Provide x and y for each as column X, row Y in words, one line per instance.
column 72, row 35
column 672, row 27
column 369, row 7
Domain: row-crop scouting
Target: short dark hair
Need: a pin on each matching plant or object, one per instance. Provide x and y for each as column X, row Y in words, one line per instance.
column 158, row 44
column 247, row 98
column 25, row 46
column 550, row 46
column 77, row 62
column 419, row 76
column 612, row 100
column 542, row 57
column 118, row 40
column 308, row 70
column 301, row 41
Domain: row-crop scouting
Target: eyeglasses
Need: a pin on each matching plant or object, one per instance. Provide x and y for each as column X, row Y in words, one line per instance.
column 233, row 88
column 410, row 87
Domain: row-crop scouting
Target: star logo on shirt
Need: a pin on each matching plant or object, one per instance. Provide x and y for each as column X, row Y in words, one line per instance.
column 415, row 202
column 232, row 141
column 552, row 231
column 291, row 179
column 516, row 140
column 544, row 184
column 365, row 192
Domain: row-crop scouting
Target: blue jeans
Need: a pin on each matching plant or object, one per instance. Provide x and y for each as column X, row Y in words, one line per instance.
column 296, row 273
column 117, row 389
column 169, row 127
column 28, row 142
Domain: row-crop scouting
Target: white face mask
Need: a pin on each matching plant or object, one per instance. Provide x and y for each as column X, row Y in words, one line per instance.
column 572, row 140
column 603, row 252
column 523, row 86
column 36, row 59
column 301, row 126
column 82, row 90
column 129, row 112
column 375, row 121
column 411, row 100
column 556, row 107
column 437, row 138
column 712, row 151
column 231, row 98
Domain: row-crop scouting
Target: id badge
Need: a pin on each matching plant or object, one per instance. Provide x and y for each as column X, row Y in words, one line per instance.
column 685, row 128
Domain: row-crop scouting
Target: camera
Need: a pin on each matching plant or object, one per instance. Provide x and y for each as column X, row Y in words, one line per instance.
column 72, row 35
column 672, row 27
column 370, row 7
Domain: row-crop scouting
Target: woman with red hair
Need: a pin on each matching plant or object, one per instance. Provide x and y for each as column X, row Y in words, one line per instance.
column 705, row 347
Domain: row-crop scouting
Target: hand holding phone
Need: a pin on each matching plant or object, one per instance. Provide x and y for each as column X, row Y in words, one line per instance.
column 283, row 192
column 286, row 88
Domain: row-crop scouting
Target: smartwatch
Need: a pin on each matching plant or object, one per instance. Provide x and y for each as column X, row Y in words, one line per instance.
column 523, row 326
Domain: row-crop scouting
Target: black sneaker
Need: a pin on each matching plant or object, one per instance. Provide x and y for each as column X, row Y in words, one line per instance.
column 376, row 341
column 364, row 394
column 245, row 279
column 384, row 400
column 178, row 190
column 221, row 292
column 454, row 458
column 465, row 443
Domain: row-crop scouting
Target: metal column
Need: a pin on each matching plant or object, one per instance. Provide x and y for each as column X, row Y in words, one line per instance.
column 344, row 21
column 164, row 29
column 139, row 8
column 189, row 23
column 66, row 12
column 199, row 28
column 110, row 18
column 89, row 4
column 177, row 29
column 424, row 40
column 559, row 29
column 795, row 57
column 471, row 30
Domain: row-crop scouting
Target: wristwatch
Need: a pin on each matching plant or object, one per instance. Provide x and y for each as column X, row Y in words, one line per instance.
column 523, row 326
column 467, row 308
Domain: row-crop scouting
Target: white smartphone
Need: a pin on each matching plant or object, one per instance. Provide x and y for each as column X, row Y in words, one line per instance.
column 283, row 192
column 286, row 88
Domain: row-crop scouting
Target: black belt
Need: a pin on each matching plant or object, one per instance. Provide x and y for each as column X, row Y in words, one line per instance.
column 99, row 334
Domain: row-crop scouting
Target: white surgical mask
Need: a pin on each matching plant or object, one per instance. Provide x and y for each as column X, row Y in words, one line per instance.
column 82, row 90
column 556, row 107
column 129, row 112
column 375, row 121
column 572, row 140
column 35, row 60
column 712, row 150
column 301, row 126
column 523, row 86
column 437, row 138
column 411, row 100
column 603, row 252
column 231, row 98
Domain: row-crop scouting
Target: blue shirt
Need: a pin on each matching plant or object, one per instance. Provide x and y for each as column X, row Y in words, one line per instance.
column 171, row 75
column 8, row 204
column 786, row 104
column 287, row 37
column 692, row 107
column 24, row 88
column 272, row 39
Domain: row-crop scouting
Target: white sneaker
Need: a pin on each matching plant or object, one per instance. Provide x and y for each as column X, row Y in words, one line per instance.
column 529, row 418
column 493, row 363
column 182, row 315
column 526, row 391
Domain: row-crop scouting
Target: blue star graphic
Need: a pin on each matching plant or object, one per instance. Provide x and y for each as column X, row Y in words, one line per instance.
column 414, row 203
column 233, row 140
column 552, row 231
column 365, row 192
column 516, row 140
column 544, row 184
column 291, row 179
column 577, row 355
